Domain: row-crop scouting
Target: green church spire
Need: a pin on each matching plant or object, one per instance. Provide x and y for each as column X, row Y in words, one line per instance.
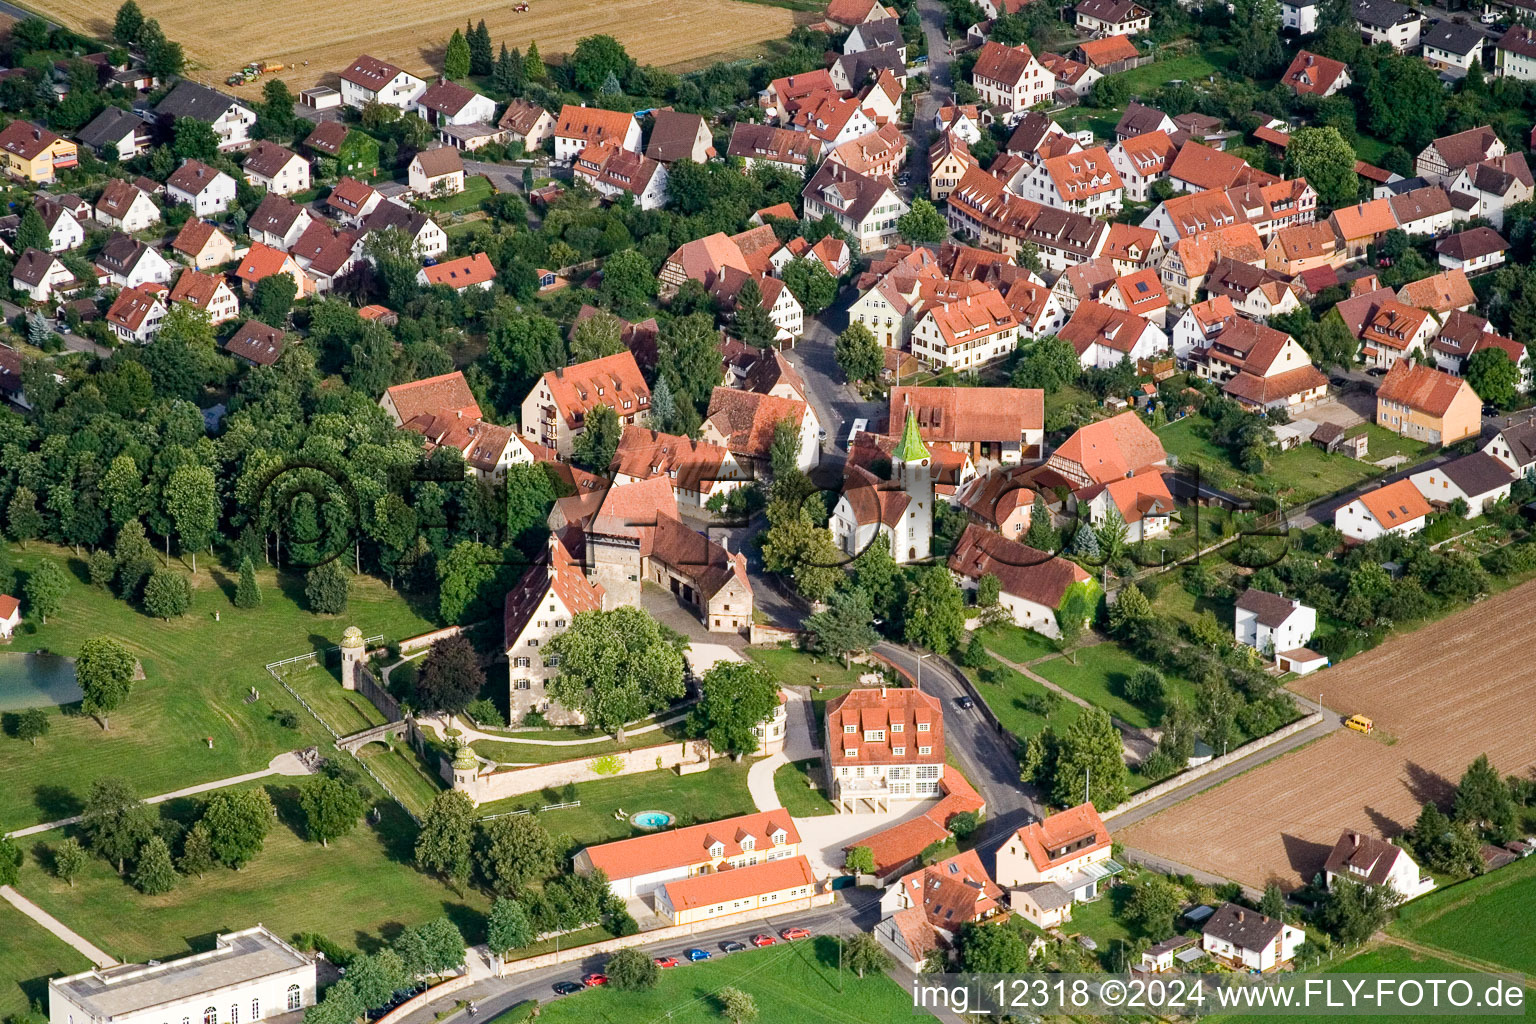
column 911, row 448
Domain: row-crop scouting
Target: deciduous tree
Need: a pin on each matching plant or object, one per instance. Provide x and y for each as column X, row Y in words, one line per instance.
column 68, row 860
column 1327, row 160
column 1493, row 376
column 325, row 588
column 630, row 970
column 104, row 672
column 736, row 697
column 115, row 822
column 597, row 336
column 595, row 446
column 508, row 927
column 332, row 807
column 615, row 667
column 447, row 832
column 628, row 283
column 858, row 353
column 153, row 873
column 935, row 611
column 450, row 676
column 32, row 725
column 167, row 595
column 922, row 224
column 1090, row 759
column 513, row 851
column 237, row 823
column 45, row 589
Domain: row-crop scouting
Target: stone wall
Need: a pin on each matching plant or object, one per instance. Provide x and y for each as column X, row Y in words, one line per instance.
column 489, row 786
column 417, row 643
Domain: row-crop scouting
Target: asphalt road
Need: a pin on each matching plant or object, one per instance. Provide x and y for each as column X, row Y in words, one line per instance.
column 933, row 15
column 72, row 342
column 855, row 911
column 836, row 402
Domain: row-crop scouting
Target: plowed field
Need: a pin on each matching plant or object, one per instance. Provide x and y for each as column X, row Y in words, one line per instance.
column 220, row 39
column 1446, row 693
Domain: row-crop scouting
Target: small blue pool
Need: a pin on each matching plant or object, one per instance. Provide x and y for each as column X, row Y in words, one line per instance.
column 36, row 680
column 651, row 820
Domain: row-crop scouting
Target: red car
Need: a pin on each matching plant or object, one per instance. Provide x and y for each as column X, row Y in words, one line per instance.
column 666, row 961
column 763, row 940
column 594, row 980
column 791, row 934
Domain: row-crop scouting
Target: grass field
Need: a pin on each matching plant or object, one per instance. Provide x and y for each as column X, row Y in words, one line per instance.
column 791, row 982
column 403, row 770
column 797, row 668
column 544, row 753
column 1295, row 477
column 1018, row 702
column 29, row 956
column 1099, row 678
column 1487, row 918
column 720, row 792
column 197, row 676
column 1188, row 67
column 477, row 189
column 347, row 711
column 359, row 890
column 1019, row 646
column 791, row 782
column 318, row 43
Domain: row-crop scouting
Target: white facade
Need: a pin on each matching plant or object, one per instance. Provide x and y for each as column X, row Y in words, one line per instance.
column 140, row 215
column 1034, row 86
column 292, row 177
column 568, row 147
column 1355, row 521
column 1294, row 631
column 216, row 195
column 151, row 268
column 911, row 536
column 57, row 276
column 1272, row 955
column 1299, row 15
column 401, row 91
column 1438, row 487
column 66, row 233
column 481, row 109
column 982, row 348
column 1402, row 875
column 248, row 976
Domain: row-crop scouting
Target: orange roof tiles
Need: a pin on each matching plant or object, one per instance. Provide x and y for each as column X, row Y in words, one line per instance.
column 708, row 890
column 463, row 272
column 685, row 847
column 1109, row 449
column 1420, row 388
column 1364, row 220
column 1396, row 504
column 878, row 712
column 1055, row 839
column 610, row 380
column 593, row 124
column 970, row 415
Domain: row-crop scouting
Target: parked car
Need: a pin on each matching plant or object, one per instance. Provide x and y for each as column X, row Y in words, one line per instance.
column 594, row 979
column 697, row 954
column 667, row 961
column 792, row 934
column 965, row 702
column 1376, row 371
column 763, row 940
column 1339, row 382
column 730, row 946
column 568, row 988
column 1491, row 410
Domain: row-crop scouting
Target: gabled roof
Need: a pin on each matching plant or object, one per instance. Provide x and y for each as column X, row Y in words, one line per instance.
column 609, row 380
column 1420, row 204
column 558, row 574
column 1313, row 74
column 1098, row 53
column 1112, row 448
column 1471, row 244
column 746, row 419
column 714, row 888
column 1305, row 241
column 592, row 124
column 1364, row 219
column 446, row 97
column 1362, row 858
column 920, row 714
column 1382, row 14
column 33, row 267
column 194, row 236
column 999, row 494
column 1520, row 40
column 1477, row 474
column 1150, row 153
column 777, row 145
column 1242, row 928
column 438, row 161
column 1395, row 504
column 953, row 892
column 1270, row 609
column 1208, row 168
column 1006, row 64
column 256, row 342
column 261, row 261
column 1139, row 119
column 1197, row 212
column 110, row 126
column 268, row 159
column 685, row 847
column 193, row 176
column 463, row 272
column 188, row 99
column 328, row 137
column 1453, row 38
column 860, row 192
column 1080, row 175
column 1097, row 323
column 133, row 306
column 117, row 198
column 276, row 215
column 689, row 465
column 1468, row 147
column 446, row 396
column 370, row 73
column 970, row 415
column 1022, row 571
column 521, row 116
column 196, row 288
column 1064, row 837
column 1440, row 292
column 673, row 135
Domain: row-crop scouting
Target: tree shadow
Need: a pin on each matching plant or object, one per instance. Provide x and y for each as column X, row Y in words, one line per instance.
column 396, row 832
column 56, row 801
column 1305, row 857
column 285, row 800
column 79, row 568
column 1385, row 826
column 1428, row 786
column 10, row 723
column 469, row 921
column 224, row 582
column 204, row 941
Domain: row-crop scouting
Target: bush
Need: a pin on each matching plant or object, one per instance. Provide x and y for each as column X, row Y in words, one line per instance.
column 485, row 712
column 964, row 824
column 630, row 970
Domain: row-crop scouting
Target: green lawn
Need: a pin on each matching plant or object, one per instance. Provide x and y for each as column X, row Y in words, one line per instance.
column 347, row 711
column 1191, row 67
column 792, row 983
column 1487, row 918
column 356, row 891
column 1099, row 678
column 1018, row 645
column 197, row 675
column 792, row 783
column 718, row 793
column 477, row 189
column 543, row 753
column 1180, row 605
column 29, row 956
column 404, row 771
column 1023, row 706
column 1294, row 477
column 798, row 668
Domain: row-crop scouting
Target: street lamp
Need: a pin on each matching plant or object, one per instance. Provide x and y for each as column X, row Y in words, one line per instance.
column 920, row 658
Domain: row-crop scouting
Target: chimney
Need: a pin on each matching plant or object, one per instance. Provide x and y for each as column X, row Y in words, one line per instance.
column 1239, row 917
column 1354, row 839
column 882, row 691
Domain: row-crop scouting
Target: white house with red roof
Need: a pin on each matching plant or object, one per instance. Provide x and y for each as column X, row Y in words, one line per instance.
column 556, row 408
column 472, row 271
column 1366, row 860
column 1396, row 508
column 1032, row 583
column 954, row 892
column 743, row 422
column 136, row 313
column 537, row 610
column 697, row 470
column 10, row 616
column 1142, row 161
column 642, row 865
column 1104, row 336
column 884, row 746
column 1070, row 849
column 1084, row 182
column 1312, row 74
column 1010, row 78
column 613, row 170
column 779, row 885
column 1142, row 501
column 899, row 509
column 967, row 333
column 448, row 103
column 369, row 80
column 579, row 127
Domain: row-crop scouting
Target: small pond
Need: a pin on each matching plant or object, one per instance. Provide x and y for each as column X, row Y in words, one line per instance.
column 36, row 681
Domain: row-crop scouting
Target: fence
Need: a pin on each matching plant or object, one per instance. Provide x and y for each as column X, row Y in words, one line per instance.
column 531, row 810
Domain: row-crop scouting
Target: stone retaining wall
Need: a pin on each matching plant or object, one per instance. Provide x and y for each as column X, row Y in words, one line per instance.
column 498, row 785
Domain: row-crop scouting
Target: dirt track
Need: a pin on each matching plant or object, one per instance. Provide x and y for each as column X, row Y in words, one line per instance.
column 1446, row 693
column 413, row 33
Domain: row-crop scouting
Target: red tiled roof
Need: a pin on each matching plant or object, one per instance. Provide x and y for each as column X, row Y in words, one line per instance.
column 685, row 847
column 712, row 888
column 610, row 380
column 920, row 715
column 463, row 272
column 747, row 419
column 1395, row 504
column 1044, row 840
column 970, row 415
column 1109, row 449
column 1421, row 388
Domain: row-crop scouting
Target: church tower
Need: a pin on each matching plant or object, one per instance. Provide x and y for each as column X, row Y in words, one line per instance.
column 912, row 536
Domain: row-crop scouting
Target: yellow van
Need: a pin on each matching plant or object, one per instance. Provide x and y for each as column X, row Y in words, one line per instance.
column 1360, row 723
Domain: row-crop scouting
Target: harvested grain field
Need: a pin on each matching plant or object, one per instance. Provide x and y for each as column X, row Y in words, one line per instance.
column 1445, row 693
column 413, row 33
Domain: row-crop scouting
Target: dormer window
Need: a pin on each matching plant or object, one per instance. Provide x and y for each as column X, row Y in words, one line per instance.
column 778, row 837
column 874, row 735
column 748, row 844
column 850, row 752
column 923, row 726
column 717, row 849
column 897, row 726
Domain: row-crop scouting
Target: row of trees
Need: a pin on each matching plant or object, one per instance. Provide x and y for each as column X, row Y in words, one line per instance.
column 415, row 955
